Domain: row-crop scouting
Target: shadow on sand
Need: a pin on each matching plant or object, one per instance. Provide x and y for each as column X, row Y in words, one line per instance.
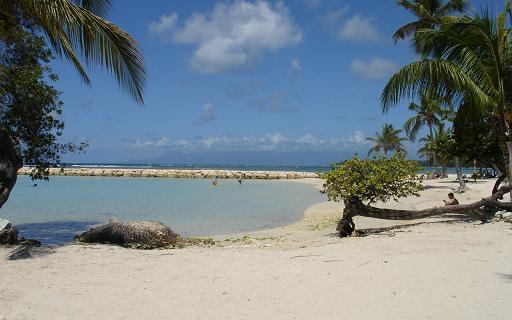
column 50, row 234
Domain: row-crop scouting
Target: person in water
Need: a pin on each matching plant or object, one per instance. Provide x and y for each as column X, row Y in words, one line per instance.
column 216, row 182
column 240, row 180
column 452, row 201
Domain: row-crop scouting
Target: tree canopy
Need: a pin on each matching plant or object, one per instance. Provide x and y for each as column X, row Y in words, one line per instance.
column 30, row 107
column 381, row 179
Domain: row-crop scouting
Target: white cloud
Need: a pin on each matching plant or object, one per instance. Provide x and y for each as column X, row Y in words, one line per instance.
column 376, row 68
column 295, row 65
column 358, row 138
column 268, row 142
column 208, row 112
column 232, row 36
column 358, row 29
column 164, row 25
column 162, row 142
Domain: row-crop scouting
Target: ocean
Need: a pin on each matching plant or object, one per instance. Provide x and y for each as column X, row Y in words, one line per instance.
column 55, row 211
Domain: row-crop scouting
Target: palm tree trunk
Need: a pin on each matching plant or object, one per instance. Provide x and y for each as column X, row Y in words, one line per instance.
column 434, row 156
column 462, row 184
column 443, row 171
column 10, row 163
column 474, row 166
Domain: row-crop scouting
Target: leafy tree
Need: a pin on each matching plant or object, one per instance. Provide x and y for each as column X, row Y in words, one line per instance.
column 30, row 108
column 388, row 140
column 359, row 181
column 380, row 179
column 470, row 60
column 430, row 14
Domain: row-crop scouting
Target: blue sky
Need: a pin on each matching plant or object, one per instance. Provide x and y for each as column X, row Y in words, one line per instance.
column 288, row 81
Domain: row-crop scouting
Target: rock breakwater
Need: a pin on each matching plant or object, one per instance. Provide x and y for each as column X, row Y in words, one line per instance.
column 174, row 173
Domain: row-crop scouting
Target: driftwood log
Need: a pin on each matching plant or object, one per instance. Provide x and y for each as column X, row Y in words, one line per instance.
column 139, row 235
column 354, row 207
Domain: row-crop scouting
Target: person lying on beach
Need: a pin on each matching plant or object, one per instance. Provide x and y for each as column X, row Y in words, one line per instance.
column 452, row 201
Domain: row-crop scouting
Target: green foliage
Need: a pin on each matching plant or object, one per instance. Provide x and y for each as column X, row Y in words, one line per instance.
column 475, row 139
column 429, row 14
column 380, row 179
column 30, row 108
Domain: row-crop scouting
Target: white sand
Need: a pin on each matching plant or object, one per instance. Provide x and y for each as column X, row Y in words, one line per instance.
column 461, row 270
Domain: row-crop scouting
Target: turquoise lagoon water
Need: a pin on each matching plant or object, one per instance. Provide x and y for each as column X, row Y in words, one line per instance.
column 57, row 210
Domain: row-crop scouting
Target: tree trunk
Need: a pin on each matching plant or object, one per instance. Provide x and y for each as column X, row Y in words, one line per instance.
column 433, row 175
column 443, row 171
column 10, row 163
column 462, row 184
column 355, row 207
column 474, row 167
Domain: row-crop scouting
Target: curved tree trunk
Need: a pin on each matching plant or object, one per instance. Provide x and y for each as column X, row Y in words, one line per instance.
column 10, row 163
column 462, row 184
column 354, row 207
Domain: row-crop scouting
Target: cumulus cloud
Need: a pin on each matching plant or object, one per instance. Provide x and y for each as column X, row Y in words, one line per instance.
column 358, row 137
column 208, row 112
column 268, row 142
column 359, row 29
column 295, row 65
column 376, row 68
column 164, row 25
column 232, row 36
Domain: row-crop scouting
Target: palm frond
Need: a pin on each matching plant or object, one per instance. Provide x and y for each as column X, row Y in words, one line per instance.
column 98, row 40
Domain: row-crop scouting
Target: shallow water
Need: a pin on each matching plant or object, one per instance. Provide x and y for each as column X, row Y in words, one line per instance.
column 55, row 211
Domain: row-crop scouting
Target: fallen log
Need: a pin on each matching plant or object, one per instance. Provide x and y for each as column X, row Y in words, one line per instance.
column 355, row 207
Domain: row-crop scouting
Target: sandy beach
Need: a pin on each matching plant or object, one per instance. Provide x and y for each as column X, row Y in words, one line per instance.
column 443, row 268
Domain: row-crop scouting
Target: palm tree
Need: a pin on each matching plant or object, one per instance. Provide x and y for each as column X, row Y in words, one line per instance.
column 388, row 140
column 470, row 60
column 430, row 14
column 427, row 113
column 78, row 28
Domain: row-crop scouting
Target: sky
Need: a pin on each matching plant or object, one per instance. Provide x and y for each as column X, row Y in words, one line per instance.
column 243, row 82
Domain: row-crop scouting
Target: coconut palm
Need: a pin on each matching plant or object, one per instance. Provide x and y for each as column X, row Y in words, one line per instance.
column 78, row 28
column 427, row 113
column 469, row 60
column 430, row 14
column 387, row 140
